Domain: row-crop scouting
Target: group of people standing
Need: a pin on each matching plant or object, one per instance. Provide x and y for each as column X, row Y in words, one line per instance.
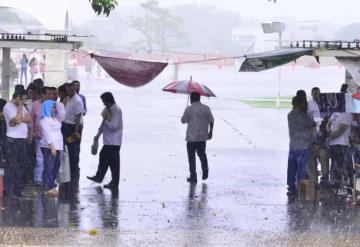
column 316, row 140
column 38, row 123
column 36, row 126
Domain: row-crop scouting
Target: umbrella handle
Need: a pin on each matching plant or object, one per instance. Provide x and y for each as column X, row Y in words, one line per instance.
column 188, row 99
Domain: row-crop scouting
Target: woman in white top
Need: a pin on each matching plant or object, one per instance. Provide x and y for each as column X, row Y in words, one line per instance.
column 51, row 144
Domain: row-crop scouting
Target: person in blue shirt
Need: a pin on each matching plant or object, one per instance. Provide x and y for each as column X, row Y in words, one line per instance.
column 23, row 68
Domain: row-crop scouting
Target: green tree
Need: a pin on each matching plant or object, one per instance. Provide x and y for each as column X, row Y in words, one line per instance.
column 103, row 6
column 159, row 28
column 106, row 6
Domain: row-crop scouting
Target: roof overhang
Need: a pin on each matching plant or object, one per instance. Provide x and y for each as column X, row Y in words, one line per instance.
column 41, row 44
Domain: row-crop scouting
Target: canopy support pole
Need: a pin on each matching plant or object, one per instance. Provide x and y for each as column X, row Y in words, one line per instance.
column 5, row 71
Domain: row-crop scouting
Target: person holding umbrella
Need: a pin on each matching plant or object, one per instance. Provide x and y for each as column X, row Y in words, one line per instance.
column 198, row 118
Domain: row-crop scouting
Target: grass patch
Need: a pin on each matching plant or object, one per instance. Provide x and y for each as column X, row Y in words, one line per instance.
column 285, row 103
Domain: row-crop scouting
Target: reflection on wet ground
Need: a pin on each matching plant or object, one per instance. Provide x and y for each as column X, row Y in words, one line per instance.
column 36, row 209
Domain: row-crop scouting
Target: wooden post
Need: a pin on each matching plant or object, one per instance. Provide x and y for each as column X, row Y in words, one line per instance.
column 5, row 71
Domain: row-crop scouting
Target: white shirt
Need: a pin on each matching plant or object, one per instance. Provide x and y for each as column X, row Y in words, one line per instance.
column 112, row 130
column 198, row 117
column 313, row 109
column 29, row 105
column 51, row 133
column 336, row 119
column 73, row 107
column 19, row 130
column 60, row 111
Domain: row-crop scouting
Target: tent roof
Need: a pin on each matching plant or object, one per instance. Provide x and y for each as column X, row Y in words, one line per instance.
column 267, row 60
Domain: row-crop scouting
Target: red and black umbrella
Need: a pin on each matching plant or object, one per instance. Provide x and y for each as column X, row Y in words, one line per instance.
column 187, row 87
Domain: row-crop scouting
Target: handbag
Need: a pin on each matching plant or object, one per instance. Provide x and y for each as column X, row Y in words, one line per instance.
column 94, row 146
column 64, row 175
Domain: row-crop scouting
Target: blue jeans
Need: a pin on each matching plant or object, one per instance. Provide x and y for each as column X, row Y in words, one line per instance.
column 51, row 168
column 297, row 166
column 23, row 72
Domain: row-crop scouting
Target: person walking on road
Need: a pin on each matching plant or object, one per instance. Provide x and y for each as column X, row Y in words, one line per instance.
column 23, row 69
column 200, row 124
column 111, row 128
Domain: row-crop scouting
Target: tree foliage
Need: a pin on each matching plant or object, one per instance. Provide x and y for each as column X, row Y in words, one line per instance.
column 106, row 6
column 103, row 6
column 159, row 28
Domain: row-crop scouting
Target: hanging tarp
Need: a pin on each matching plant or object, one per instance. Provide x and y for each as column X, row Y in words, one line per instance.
column 352, row 65
column 267, row 60
column 132, row 73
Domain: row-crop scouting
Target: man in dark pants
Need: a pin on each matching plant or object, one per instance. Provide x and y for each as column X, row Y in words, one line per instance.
column 111, row 128
column 71, row 130
column 199, row 118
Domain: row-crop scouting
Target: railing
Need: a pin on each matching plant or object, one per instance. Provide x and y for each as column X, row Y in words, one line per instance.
column 335, row 45
column 38, row 37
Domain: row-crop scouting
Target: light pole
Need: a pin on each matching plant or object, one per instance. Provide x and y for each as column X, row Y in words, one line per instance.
column 275, row 27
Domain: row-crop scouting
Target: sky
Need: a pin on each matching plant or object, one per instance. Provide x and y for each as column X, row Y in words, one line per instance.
column 341, row 12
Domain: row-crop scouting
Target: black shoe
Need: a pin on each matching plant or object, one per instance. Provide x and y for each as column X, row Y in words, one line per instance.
column 323, row 178
column 38, row 185
column 192, row 180
column 205, row 175
column 291, row 193
column 94, row 179
column 110, row 186
column 18, row 195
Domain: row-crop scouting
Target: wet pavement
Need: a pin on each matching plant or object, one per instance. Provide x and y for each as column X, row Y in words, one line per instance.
column 243, row 203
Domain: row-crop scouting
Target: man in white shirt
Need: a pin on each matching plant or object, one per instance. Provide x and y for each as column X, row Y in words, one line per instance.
column 76, row 84
column 313, row 104
column 17, row 119
column 198, row 118
column 318, row 149
column 339, row 131
column 71, row 129
column 111, row 128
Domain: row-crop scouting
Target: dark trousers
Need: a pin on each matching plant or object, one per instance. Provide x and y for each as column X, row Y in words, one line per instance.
column 30, row 162
column 339, row 159
column 109, row 157
column 2, row 151
column 297, row 167
column 200, row 149
column 15, row 165
column 51, row 168
column 74, row 150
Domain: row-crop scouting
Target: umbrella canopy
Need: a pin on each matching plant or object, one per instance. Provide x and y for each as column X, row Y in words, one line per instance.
column 187, row 87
